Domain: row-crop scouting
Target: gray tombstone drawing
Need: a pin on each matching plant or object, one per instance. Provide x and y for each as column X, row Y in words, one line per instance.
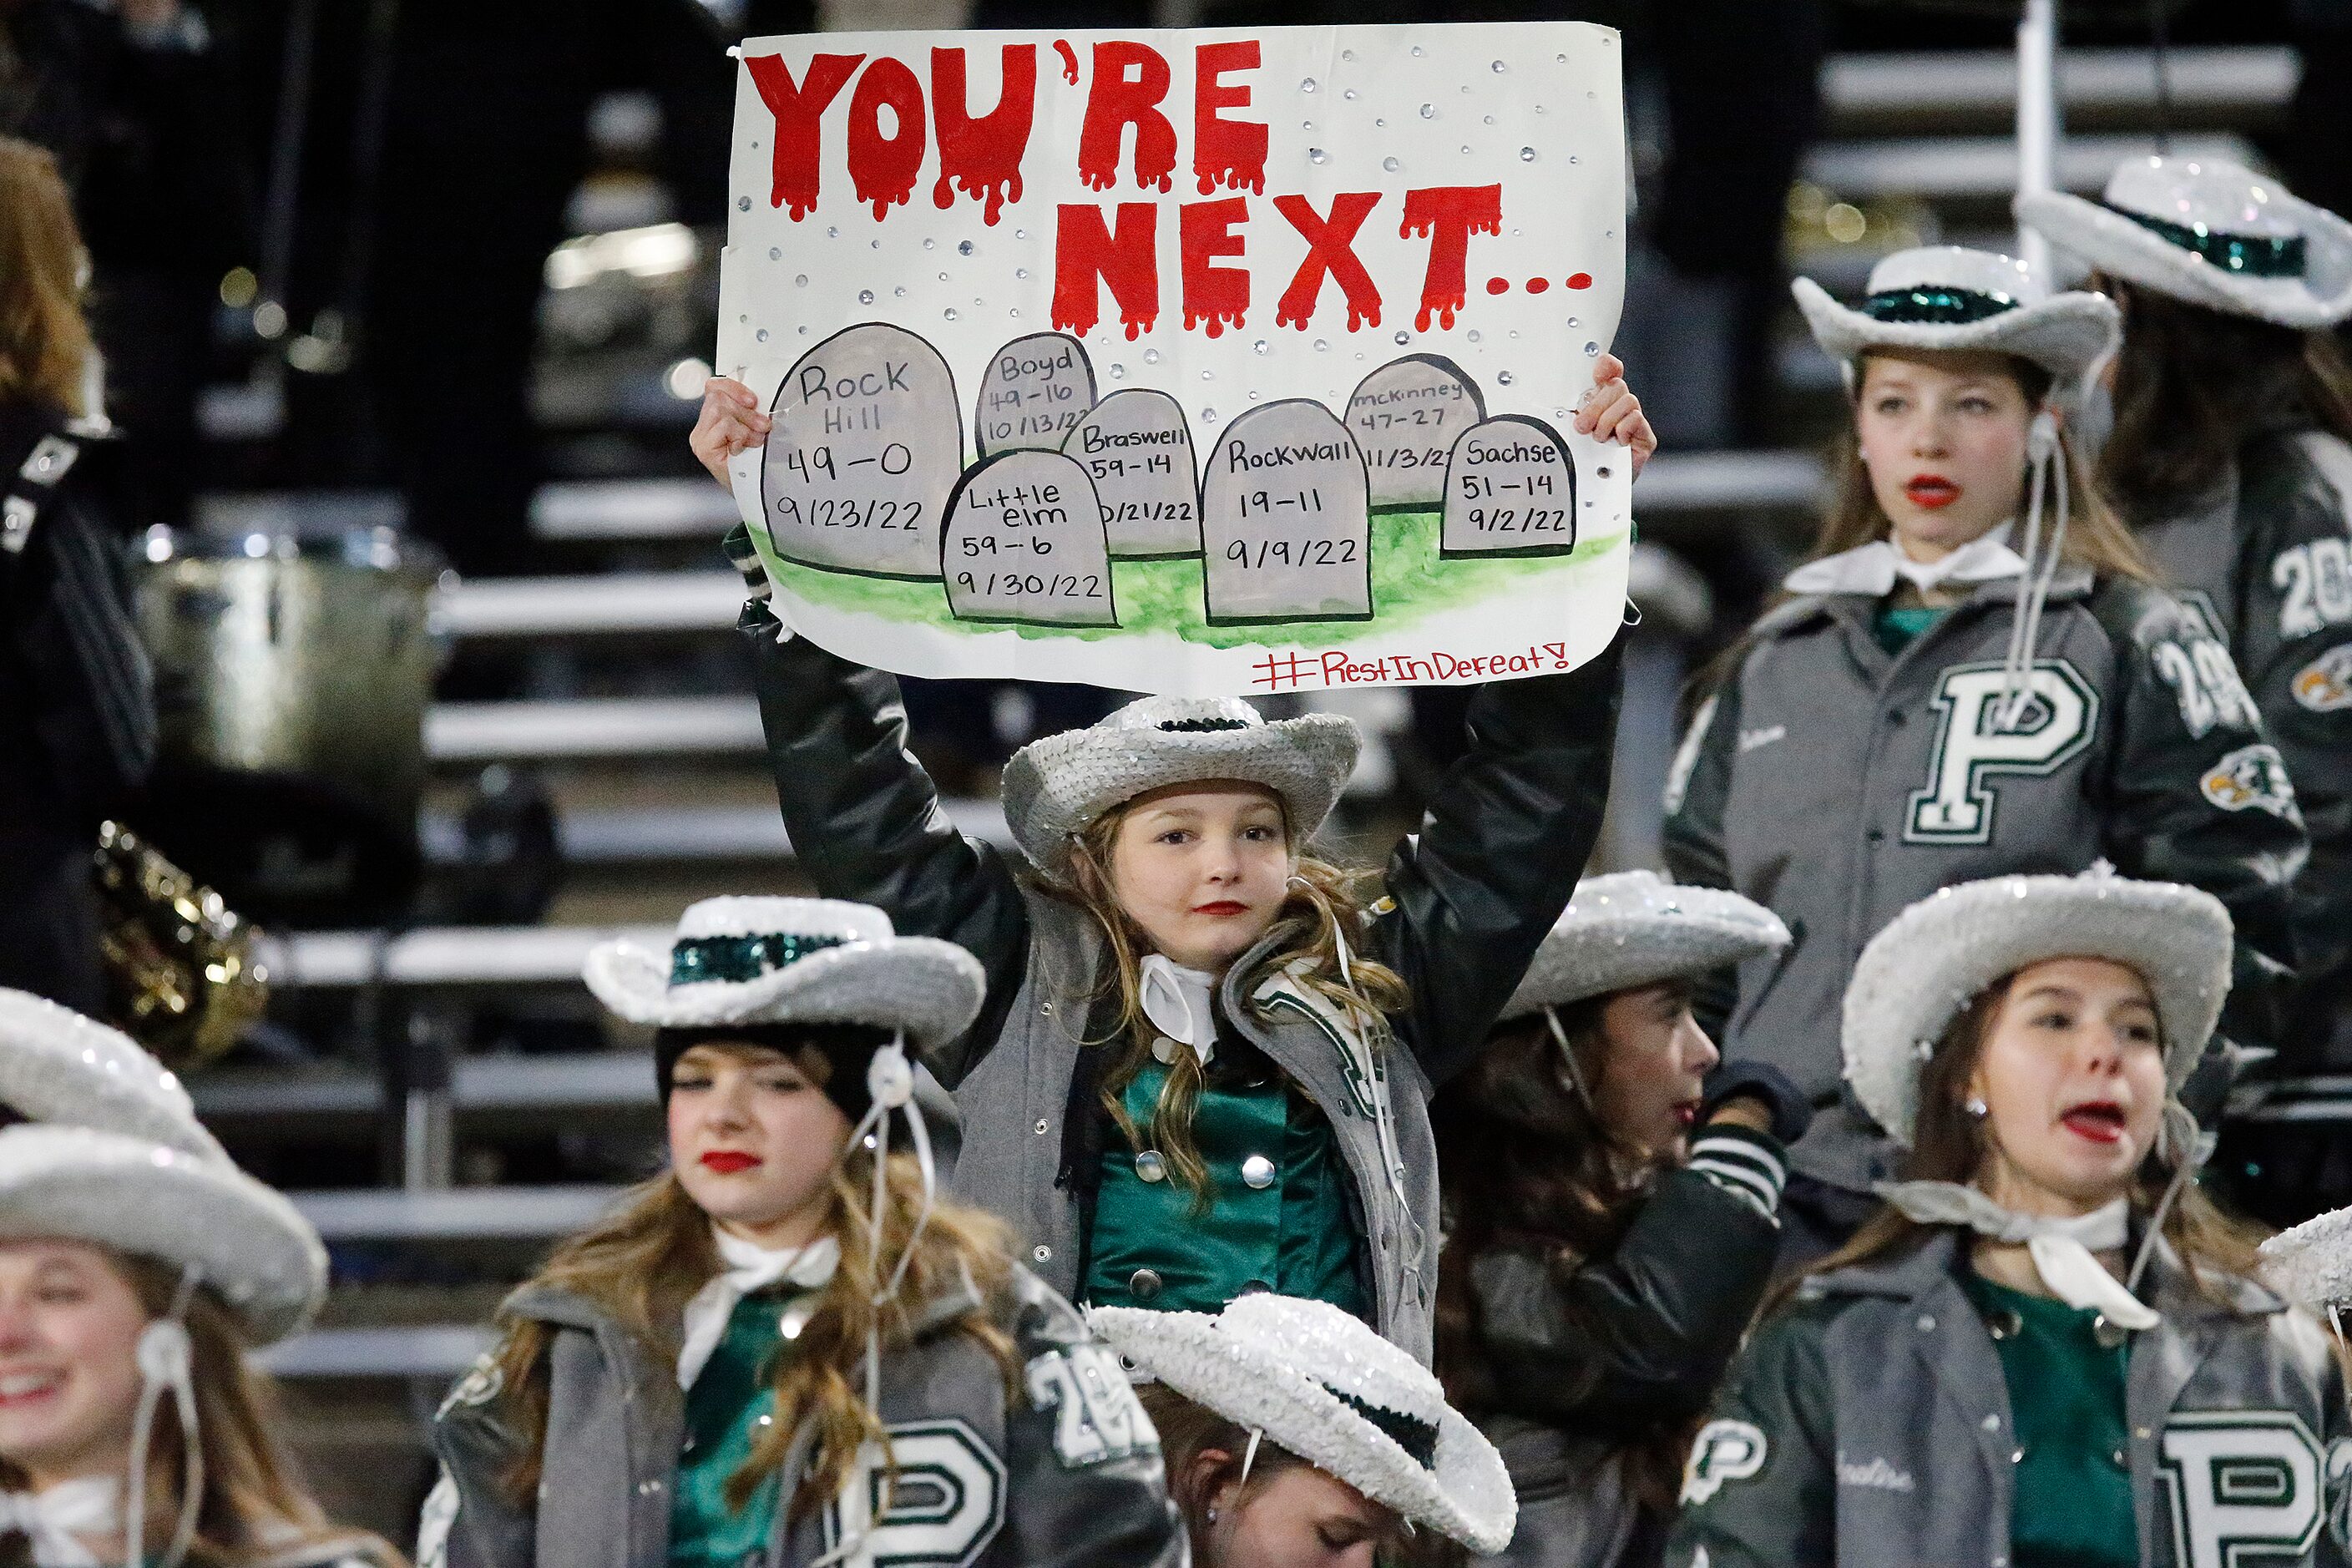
column 1036, row 390
column 863, row 454
column 1510, row 490
column 1285, row 527
column 1024, row 543
column 1135, row 446
column 1406, row 416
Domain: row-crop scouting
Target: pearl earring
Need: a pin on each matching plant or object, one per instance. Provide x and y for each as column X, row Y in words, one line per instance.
column 1212, row 1516
column 1975, row 1106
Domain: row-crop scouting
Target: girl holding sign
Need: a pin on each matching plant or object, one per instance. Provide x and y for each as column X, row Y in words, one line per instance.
column 785, row 1347
column 1207, row 1063
column 1974, row 675
column 2049, row 1347
column 1610, row 1215
column 2230, row 456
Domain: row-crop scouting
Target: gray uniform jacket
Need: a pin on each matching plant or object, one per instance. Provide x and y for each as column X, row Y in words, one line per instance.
column 2268, row 556
column 1067, row 1472
column 1837, row 784
column 1869, row 1423
column 1467, row 904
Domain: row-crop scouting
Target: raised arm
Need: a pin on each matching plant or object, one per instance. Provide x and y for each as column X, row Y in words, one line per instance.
column 866, row 822
column 1499, row 854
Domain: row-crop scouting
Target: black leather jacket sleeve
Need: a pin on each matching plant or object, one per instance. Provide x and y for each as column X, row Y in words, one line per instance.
column 1626, row 1343
column 866, row 822
column 1499, row 854
column 2189, row 798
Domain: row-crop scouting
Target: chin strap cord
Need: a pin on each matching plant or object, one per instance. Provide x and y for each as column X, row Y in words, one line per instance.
column 166, row 1364
column 2048, row 473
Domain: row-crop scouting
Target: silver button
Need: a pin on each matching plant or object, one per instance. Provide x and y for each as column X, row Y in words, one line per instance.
column 1163, row 1049
column 1143, row 1284
column 2109, row 1335
column 1042, row 1253
column 2122, row 1459
column 1041, row 1127
column 2017, row 1456
column 1257, row 1171
column 2142, row 1433
column 1150, row 1166
column 1927, row 1324
column 1992, row 1423
column 1046, row 1008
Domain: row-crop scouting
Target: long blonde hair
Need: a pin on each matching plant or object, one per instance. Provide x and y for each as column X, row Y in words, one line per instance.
column 1323, row 906
column 45, row 343
column 255, row 1507
column 643, row 1263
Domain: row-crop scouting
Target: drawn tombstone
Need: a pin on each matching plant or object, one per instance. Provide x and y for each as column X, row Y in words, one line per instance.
column 1286, row 525
column 1024, row 543
column 1406, row 416
column 1135, row 446
column 1036, row 391
column 862, row 455
column 1510, row 490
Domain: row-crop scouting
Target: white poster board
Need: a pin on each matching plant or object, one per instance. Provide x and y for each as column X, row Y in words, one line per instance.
column 1205, row 360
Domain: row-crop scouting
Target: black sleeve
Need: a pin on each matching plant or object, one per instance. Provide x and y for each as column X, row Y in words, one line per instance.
column 468, row 1521
column 2299, row 665
column 1639, row 1338
column 1497, row 855
column 866, row 822
column 1087, row 1489
column 1760, row 1489
column 2197, row 794
column 1697, row 786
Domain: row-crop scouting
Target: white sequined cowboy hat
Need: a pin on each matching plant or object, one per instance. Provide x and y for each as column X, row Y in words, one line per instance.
column 1056, row 786
column 2311, row 1265
column 1931, row 960
column 1323, row 1385
column 790, row 961
column 245, row 1240
column 56, row 1065
column 2210, row 233
column 1947, row 297
column 1635, row 928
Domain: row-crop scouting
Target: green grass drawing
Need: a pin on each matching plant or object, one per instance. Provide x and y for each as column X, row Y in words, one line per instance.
column 1409, row 582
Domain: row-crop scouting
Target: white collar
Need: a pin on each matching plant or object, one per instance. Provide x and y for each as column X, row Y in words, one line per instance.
column 54, row 1520
column 1177, row 1002
column 750, row 1267
column 1873, row 569
column 2061, row 1248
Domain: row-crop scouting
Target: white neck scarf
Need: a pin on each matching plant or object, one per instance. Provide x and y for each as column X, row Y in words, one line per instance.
column 2061, row 1248
column 1873, row 569
column 52, row 1521
column 1177, row 1002
column 750, row 1266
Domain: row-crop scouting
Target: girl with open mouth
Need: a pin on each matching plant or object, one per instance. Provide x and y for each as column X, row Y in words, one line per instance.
column 2049, row 1345
column 1976, row 674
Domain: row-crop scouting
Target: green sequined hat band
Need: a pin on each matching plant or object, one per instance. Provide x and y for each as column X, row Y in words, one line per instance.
column 1935, row 304
column 2247, row 255
column 1415, row 1437
column 737, row 958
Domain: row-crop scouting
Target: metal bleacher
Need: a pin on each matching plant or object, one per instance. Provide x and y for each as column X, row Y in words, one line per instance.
column 1927, row 128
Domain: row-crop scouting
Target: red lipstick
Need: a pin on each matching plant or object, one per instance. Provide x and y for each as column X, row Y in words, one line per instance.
column 2099, row 1120
column 1930, row 492
column 730, row 1161
column 1220, row 908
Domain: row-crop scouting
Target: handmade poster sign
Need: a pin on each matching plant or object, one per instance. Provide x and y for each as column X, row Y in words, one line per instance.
column 1197, row 360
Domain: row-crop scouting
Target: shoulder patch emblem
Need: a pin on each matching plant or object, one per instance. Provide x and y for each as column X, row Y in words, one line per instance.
column 943, row 1507
column 480, row 1385
column 1097, row 1417
column 2249, row 777
column 1723, row 1451
column 2324, row 685
column 2205, row 684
